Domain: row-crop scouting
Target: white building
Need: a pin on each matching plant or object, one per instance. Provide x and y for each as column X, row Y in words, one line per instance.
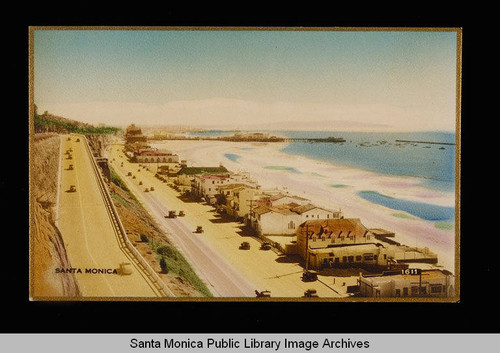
column 269, row 220
column 311, row 212
column 207, row 185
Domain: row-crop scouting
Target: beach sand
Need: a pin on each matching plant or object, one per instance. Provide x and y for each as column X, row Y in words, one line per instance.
column 331, row 186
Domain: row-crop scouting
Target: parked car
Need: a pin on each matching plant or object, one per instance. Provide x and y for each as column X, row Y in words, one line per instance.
column 265, row 246
column 310, row 293
column 264, row 293
column 309, row 276
column 245, row 245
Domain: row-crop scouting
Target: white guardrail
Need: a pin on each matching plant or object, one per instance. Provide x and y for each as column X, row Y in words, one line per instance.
column 125, row 243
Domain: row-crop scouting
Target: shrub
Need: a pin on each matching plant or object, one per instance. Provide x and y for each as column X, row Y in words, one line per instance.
column 166, row 250
column 163, row 265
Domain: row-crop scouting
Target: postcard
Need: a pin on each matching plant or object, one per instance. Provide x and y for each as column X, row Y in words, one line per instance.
column 244, row 164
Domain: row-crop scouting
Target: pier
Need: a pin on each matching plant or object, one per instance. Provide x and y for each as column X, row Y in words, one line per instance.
column 252, row 139
column 427, row 142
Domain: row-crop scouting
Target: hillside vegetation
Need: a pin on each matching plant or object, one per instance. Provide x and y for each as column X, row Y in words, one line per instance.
column 51, row 123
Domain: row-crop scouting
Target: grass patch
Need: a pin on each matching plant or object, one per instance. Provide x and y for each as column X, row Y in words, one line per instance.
column 120, row 200
column 115, row 179
column 176, row 263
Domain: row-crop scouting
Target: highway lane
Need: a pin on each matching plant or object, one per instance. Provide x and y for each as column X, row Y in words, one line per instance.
column 90, row 238
column 216, row 271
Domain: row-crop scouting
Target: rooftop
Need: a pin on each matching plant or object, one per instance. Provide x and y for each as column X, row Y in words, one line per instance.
column 335, row 226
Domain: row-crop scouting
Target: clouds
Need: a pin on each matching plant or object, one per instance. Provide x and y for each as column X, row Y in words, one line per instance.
column 249, row 114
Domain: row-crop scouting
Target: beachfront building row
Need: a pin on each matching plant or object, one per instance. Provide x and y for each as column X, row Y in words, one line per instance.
column 150, row 155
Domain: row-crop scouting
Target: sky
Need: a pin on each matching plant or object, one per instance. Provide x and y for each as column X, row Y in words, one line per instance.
column 310, row 79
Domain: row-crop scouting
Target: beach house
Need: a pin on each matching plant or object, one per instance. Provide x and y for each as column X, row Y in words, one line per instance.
column 311, row 212
column 324, row 233
column 207, row 186
column 431, row 283
column 273, row 220
column 154, row 156
column 186, row 175
column 235, row 198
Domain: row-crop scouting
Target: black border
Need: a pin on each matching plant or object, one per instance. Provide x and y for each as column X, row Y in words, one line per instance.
column 478, row 299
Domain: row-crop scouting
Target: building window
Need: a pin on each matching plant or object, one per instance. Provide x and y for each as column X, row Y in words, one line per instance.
column 414, row 290
column 405, row 291
column 344, row 258
column 291, row 225
column 398, row 292
column 358, row 258
column 328, row 216
column 436, row 288
column 350, row 258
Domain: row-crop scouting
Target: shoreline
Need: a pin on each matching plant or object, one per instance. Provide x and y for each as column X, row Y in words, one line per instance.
column 332, row 186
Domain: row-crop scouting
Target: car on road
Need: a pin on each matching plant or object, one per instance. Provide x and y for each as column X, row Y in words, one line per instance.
column 199, row 229
column 125, row 269
column 70, row 167
column 245, row 245
column 181, row 214
column 264, row 293
column 265, row 246
column 171, row 214
column 309, row 276
column 72, row 188
column 310, row 293
column 151, row 188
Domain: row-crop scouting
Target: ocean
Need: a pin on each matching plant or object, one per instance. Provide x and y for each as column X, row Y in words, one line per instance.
column 433, row 163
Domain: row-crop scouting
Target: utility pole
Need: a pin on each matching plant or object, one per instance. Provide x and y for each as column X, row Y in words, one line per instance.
column 307, row 246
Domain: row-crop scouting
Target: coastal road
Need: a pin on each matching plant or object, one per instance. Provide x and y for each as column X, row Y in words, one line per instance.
column 213, row 269
column 217, row 272
column 89, row 236
column 262, row 270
